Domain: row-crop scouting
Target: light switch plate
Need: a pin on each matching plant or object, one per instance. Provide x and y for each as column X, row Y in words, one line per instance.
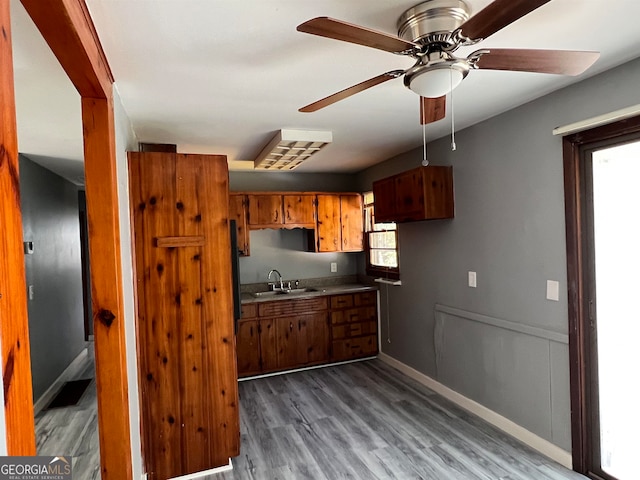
column 553, row 290
column 334, row 267
column 473, row 280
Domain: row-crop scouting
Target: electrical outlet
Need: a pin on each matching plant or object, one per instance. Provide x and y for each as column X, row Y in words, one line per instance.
column 473, row 280
column 334, row 267
column 30, row 292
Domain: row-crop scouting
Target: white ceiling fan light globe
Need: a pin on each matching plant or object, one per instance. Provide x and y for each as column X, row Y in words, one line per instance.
column 436, row 82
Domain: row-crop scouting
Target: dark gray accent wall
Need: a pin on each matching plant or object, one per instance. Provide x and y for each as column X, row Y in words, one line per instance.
column 285, row 250
column 509, row 228
column 50, row 220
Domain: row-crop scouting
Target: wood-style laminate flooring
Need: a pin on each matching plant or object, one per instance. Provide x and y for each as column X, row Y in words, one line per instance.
column 73, row 430
column 362, row 420
column 367, row 421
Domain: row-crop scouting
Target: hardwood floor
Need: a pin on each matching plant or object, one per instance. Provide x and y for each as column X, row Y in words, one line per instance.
column 366, row 420
column 73, row 430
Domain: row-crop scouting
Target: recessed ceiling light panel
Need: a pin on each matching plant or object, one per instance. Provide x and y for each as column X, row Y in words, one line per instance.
column 289, row 148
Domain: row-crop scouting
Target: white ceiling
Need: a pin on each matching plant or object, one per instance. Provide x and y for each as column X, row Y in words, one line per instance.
column 222, row 76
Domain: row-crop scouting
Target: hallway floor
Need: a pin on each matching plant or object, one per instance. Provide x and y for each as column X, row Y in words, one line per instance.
column 73, row 430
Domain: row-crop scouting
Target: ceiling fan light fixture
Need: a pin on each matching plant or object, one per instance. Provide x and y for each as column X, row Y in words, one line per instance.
column 436, row 80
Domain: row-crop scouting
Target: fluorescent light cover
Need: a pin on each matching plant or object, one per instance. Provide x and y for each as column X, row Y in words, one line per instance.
column 289, row 148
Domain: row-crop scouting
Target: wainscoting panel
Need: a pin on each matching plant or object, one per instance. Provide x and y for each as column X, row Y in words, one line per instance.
column 518, row 371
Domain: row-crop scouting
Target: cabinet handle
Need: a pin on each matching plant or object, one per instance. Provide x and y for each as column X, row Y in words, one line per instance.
column 291, row 326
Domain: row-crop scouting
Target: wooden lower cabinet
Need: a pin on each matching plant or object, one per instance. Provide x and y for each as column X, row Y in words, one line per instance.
column 286, row 334
column 283, row 334
column 302, row 340
column 248, row 347
column 354, row 325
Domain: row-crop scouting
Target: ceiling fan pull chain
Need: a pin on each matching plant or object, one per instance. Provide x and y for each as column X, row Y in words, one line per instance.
column 453, row 128
column 425, row 162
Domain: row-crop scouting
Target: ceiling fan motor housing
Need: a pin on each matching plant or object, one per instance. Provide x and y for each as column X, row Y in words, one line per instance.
column 433, row 21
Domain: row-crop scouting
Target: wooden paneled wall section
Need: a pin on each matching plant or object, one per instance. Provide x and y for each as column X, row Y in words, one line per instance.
column 68, row 30
column 186, row 344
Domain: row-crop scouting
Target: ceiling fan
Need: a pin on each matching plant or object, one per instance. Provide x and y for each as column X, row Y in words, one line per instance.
column 431, row 32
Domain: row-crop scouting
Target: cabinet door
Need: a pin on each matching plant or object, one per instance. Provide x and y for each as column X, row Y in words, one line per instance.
column 265, row 209
column 287, row 340
column 438, row 191
column 248, row 348
column 298, row 209
column 409, row 190
column 328, row 224
column 313, row 339
column 238, row 212
column 351, row 222
column 268, row 345
column 384, row 197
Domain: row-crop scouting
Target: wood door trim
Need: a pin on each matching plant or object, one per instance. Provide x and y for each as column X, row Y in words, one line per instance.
column 575, row 192
column 14, row 327
column 67, row 28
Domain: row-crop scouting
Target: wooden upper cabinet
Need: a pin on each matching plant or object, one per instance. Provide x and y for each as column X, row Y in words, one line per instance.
column 424, row 193
column 384, row 192
column 339, row 225
column 299, row 209
column 265, row 210
column 351, row 222
column 328, row 231
column 238, row 212
column 334, row 220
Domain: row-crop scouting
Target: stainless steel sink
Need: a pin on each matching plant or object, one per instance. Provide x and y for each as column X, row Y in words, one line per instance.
column 292, row 291
column 301, row 290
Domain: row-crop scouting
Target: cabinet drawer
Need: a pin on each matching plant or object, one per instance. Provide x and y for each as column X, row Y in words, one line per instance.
column 342, row 301
column 355, row 347
column 292, row 307
column 365, row 298
column 353, row 315
column 248, row 310
column 353, row 330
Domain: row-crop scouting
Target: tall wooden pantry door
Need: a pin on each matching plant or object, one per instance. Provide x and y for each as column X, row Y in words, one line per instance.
column 186, row 341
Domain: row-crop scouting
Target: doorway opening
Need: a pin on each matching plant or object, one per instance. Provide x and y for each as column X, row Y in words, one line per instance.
column 602, row 171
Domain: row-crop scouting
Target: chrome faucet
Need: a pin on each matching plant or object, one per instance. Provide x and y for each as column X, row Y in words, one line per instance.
column 279, row 276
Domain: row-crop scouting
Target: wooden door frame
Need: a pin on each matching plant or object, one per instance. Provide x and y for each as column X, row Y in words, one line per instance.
column 577, row 281
column 67, row 28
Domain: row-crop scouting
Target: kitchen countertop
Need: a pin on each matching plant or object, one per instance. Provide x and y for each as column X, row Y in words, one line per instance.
column 320, row 291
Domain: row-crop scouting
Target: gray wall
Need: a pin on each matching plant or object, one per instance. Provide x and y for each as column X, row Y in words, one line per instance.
column 256, row 181
column 56, row 321
column 285, row 250
column 509, row 228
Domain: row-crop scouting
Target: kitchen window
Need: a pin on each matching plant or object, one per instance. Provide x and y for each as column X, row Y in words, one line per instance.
column 381, row 244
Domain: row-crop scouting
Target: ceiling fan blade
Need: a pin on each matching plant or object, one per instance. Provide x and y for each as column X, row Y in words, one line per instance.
column 347, row 92
column 347, row 32
column 498, row 15
column 432, row 109
column 561, row 62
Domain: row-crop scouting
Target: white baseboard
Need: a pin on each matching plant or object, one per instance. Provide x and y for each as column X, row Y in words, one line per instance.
column 525, row 436
column 72, row 370
column 212, row 471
